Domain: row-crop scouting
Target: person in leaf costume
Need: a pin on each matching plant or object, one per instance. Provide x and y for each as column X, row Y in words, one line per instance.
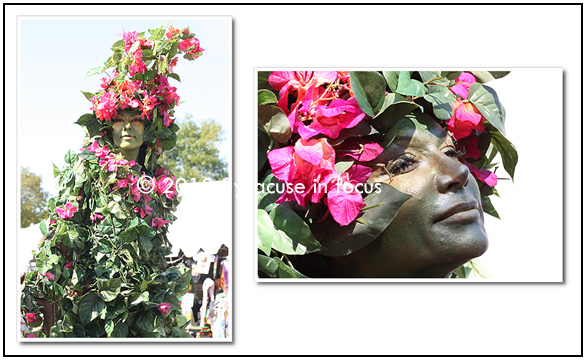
column 376, row 174
column 101, row 267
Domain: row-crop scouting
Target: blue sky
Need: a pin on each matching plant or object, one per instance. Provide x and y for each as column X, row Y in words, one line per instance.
column 55, row 55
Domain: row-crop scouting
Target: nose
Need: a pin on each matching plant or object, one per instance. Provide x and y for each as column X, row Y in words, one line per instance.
column 126, row 124
column 452, row 175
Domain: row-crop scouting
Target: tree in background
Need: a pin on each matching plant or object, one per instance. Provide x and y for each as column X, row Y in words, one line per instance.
column 32, row 198
column 196, row 153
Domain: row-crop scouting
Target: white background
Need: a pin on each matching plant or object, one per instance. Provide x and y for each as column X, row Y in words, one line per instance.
column 389, row 318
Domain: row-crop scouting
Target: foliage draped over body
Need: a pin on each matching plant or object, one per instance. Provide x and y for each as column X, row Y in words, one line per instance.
column 322, row 129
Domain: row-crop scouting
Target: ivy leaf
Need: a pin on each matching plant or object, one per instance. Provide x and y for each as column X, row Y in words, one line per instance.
column 266, row 97
column 266, row 232
column 275, row 123
column 487, row 102
column 369, row 90
column 391, row 77
column 90, row 307
column 110, row 289
column 507, row 151
column 441, row 99
column 408, row 86
column 380, row 210
column 287, row 222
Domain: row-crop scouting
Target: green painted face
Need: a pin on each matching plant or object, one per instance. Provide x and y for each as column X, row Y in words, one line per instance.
column 127, row 133
column 440, row 227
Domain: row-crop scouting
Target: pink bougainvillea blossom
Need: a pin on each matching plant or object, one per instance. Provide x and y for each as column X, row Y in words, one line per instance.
column 96, row 216
column 69, row 264
column 30, row 335
column 164, row 308
column 306, row 168
column 486, row 176
column 100, row 152
column 129, row 39
column 31, row 317
column 358, row 149
column 105, row 106
column 144, row 212
column 158, row 222
column 298, row 82
column 68, row 212
column 149, row 103
column 190, row 46
column 463, row 83
column 332, row 118
column 343, row 199
column 466, row 118
column 470, row 144
column 137, row 65
column 108, row 80
column 49, row 275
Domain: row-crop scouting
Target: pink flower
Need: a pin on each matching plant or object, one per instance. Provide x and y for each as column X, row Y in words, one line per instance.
column 470, row 144
column 100, row 152
column 149, row 103
column 164, row 308
column 143, row 213
column 30, row 335
column 190, row 46
column 137, row 65
column 329, row 119
column 464, row 82
column 129, row 39
column 106, row 81
column 105, row 106
column 31, row 317
column 358, row 149
column 97, row 216
column 291, row 82
column 343, row 199
column 158, row 222
column 69, row 263
column 53, row 221
column 49, row 275
column 171, row 31
column 466, row 118
column 306, row 167
column 67, row 212
column 486, row 176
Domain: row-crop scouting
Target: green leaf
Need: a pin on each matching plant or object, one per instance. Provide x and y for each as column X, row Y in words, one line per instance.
column 450, row 75
column 391, row 77
column 118, row 45
column 343, row 165
column 267, row 193
column 90, row 307
column 380, row 209
column 275, row 123
column 507, row 151
column 408, row 86
column 488, row 207
column 267, row 234
column 369, row 90
column 395, row 108
column 285, row 271
column 267, row 265
column 429, row 75
column 134, row 298
column 487, row 102
column 110, row 288
column 88, row 95
column 266, row 97
column 174, row 76
column 441, row 99
column 298, row 231
column 146, row 321
column 487, row 76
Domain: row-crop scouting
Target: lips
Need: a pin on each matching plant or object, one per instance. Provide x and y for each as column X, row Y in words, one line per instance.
column 460, row 211
column 127, row 136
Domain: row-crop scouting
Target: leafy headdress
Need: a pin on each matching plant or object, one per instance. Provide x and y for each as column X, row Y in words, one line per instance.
column 320, row 135
column 137, row 77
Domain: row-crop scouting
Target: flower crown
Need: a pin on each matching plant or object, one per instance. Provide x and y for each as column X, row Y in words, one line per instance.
column 139, row 81
column 320, row 133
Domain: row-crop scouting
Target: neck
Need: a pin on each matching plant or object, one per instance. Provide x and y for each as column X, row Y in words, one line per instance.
column 131, row 154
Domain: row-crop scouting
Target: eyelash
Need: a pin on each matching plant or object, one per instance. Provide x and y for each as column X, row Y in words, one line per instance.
column 403, row 163
column 132, row 120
